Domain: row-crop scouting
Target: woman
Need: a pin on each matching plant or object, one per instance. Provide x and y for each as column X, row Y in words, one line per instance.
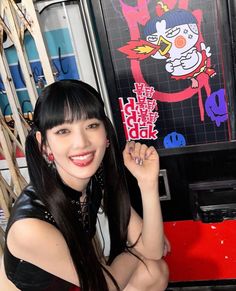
column 75, row 167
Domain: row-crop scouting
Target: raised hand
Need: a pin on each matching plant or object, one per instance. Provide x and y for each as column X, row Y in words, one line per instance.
column 142, row 161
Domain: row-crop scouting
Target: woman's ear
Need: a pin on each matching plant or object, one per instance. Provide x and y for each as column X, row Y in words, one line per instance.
column 45, row 148
column 38, row 136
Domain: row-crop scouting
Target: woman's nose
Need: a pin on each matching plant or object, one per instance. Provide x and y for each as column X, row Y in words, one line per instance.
column 81, row 139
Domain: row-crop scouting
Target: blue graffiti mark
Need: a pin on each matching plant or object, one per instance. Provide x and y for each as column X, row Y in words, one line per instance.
column 68, row 62
column 67, row 70
column 37, row 71
column 174, row 140
column 61, row 62
column 216, row 107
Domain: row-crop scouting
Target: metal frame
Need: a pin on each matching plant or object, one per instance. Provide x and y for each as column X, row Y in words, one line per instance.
column 14, row 20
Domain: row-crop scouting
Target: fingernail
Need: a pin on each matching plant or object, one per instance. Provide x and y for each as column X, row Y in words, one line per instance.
column 131, row 149
column 137, row 161
column 140, row 162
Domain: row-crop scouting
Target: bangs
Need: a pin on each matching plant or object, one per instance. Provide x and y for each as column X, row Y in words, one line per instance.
column 69, row 104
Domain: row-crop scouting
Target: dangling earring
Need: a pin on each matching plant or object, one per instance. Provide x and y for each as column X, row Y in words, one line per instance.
column 108, row 143
column 50, row 157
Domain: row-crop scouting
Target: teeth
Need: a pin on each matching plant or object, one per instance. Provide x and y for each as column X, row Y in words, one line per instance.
column 81, row 158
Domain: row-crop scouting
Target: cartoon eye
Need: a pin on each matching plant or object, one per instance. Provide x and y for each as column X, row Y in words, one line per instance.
column 173, row 32
column 185, row 31
column 152, row 38
column 190, row 36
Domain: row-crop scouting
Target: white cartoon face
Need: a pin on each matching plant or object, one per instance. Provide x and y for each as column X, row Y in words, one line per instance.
column 174, row 41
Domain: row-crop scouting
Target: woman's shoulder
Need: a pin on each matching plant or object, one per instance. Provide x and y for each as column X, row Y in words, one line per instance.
column 29, row 205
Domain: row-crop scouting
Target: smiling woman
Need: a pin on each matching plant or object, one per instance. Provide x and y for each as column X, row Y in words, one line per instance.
column 75, row 168
column 74, row 147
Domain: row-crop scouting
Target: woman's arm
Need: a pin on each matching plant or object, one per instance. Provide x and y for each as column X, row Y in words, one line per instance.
column 143, row 163
column 42, row 245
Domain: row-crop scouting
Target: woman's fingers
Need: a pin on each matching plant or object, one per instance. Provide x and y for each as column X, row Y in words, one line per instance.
column 131, row 146
column 142, row 161
column 139, row 152
column 150, row 151
column 143, row 152
column 136, row 151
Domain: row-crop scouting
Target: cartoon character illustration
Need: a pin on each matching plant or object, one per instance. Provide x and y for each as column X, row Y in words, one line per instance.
column 176, row 32
column 173, row 36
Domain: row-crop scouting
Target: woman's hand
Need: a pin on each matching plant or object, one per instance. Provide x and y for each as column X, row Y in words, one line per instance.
column 142, row 161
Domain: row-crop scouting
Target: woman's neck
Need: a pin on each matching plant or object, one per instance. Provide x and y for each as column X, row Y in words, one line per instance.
column 79, row 185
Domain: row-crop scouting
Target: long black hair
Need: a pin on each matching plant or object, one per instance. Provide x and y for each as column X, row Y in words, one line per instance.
column 74, row 100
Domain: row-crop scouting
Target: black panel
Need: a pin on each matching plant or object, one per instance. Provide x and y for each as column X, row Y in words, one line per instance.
column 184, row 116
column 194, row 168
column 210, row 153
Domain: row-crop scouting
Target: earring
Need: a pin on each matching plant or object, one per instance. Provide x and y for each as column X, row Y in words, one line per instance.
column 50, row 158
column 108, row 143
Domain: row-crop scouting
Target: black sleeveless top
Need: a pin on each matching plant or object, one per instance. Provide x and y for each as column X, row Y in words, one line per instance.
column 26, row 276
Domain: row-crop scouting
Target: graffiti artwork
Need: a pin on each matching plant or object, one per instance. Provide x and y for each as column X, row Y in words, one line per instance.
column 171, row 46
column 58, row 41
column 139, row 114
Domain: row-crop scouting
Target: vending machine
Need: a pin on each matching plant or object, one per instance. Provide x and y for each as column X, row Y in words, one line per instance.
column 169, row 67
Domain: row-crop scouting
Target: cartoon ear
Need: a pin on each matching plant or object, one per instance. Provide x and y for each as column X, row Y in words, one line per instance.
column 193, row 27
column 161, row 27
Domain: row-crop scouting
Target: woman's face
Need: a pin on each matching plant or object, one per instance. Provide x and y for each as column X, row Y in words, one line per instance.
column 78, row 150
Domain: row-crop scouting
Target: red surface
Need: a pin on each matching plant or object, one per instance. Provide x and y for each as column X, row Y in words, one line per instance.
column 19, row 154
column 201, row 251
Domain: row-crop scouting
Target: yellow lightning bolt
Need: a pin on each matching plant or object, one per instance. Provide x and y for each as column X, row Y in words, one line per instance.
column 145, row 49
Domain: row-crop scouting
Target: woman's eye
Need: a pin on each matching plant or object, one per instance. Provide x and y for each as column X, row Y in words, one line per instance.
column 93, row 125
column 62, row 131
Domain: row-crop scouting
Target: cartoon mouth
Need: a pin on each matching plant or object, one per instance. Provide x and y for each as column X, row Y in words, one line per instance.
column 218, row 114
column 165, row 45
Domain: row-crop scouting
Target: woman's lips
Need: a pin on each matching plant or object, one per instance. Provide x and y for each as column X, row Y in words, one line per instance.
column 82, row 160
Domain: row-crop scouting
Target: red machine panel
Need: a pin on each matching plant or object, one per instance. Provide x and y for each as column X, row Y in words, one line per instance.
column 201, row 251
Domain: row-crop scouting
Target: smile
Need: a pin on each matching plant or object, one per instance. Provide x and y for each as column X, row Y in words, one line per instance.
column 82, row 160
